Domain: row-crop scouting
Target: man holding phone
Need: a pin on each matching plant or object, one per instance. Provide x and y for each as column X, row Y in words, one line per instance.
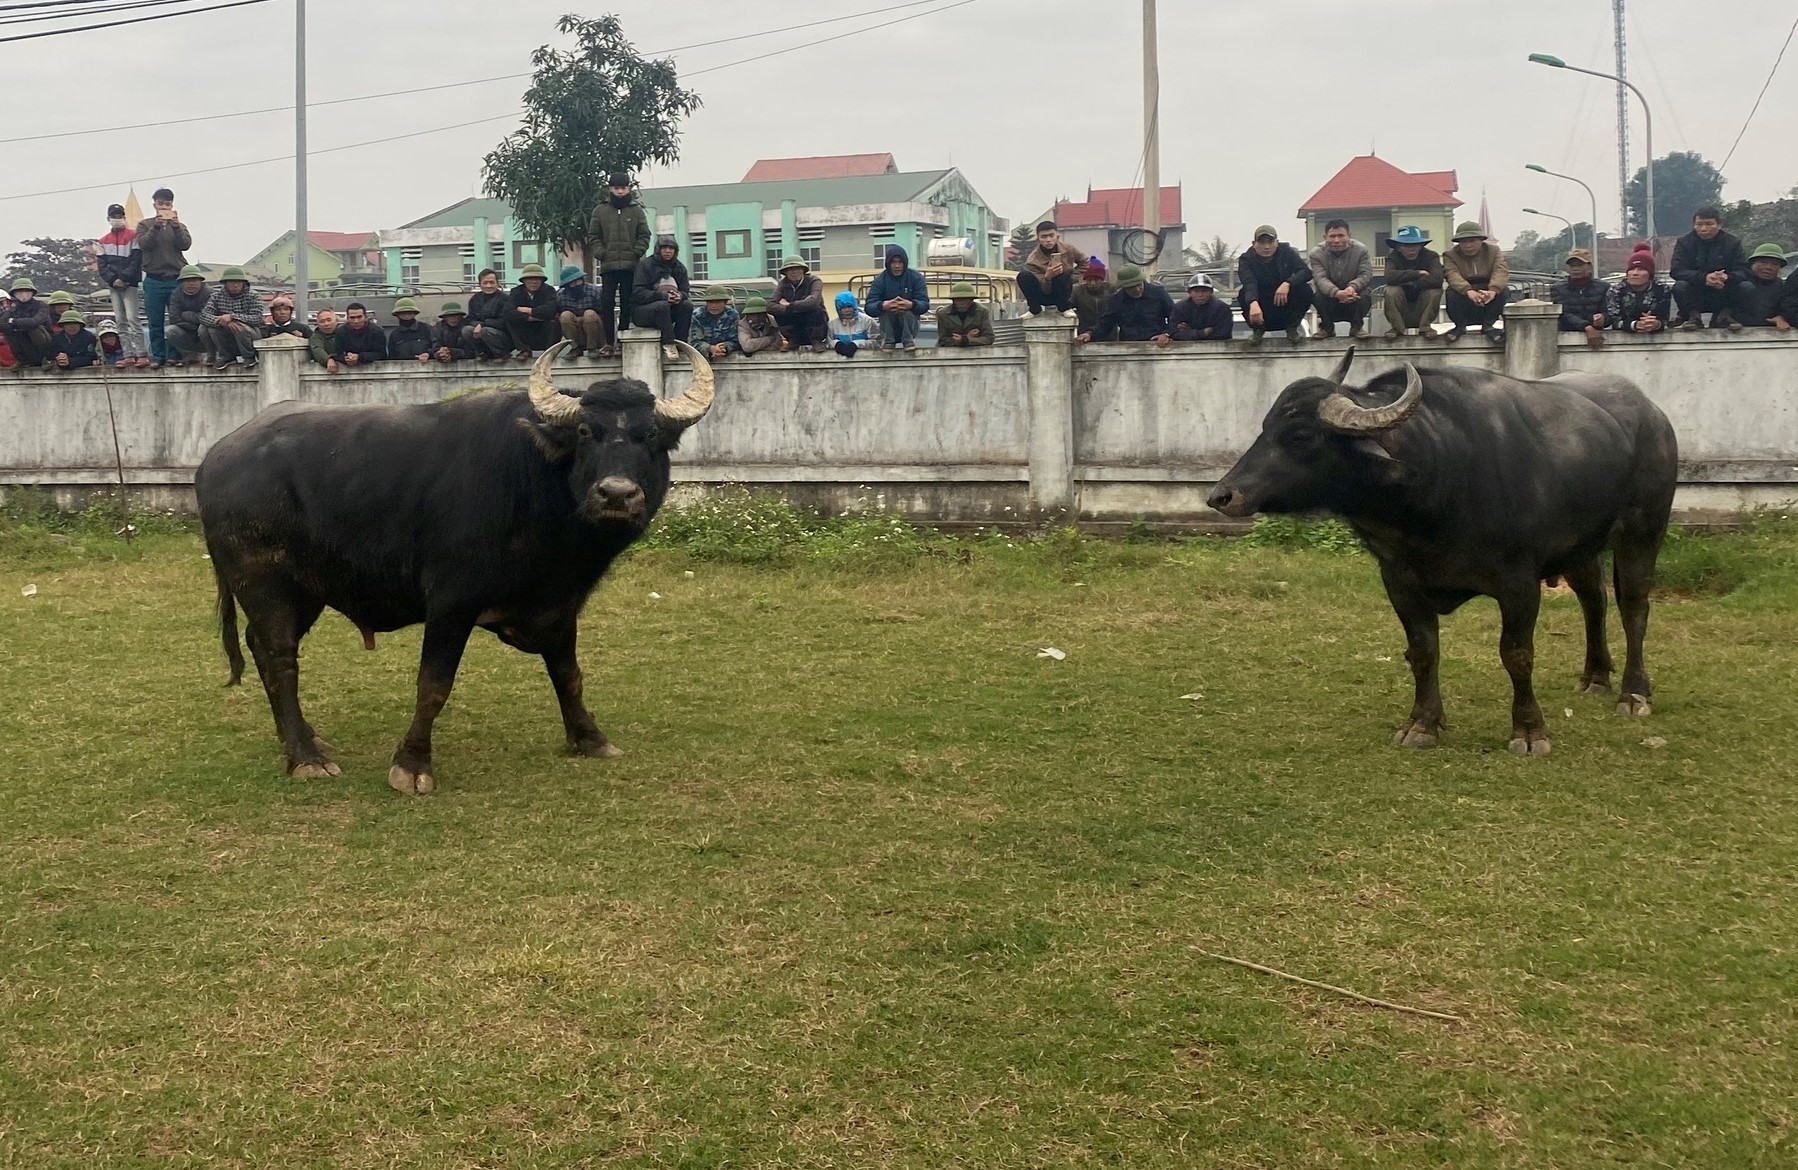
column 162, row 241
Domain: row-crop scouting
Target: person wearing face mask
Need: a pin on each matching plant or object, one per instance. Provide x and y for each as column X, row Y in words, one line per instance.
column 121, row 265
column 620, row 233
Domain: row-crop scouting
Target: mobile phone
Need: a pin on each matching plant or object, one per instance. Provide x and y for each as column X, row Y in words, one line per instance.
column 165, row 213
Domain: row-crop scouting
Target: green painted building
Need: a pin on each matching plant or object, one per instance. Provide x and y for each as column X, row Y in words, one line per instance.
column 334, row 258
column 733, row 231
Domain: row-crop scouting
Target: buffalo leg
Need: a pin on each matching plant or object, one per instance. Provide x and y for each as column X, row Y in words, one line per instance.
column 274, row 633
column 1587, row 581
column 1632, row 573
column 1518, row 606
column 1423, row 651
column 584, row 736
column 445, row 639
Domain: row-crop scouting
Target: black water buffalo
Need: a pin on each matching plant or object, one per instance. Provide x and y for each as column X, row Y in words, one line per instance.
column 1463, row 483
column 499, row 510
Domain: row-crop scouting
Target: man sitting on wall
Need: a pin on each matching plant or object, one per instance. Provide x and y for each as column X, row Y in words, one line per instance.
column 1764, row 297
column 1413, row 282
column 1138, row 311
column 29, row 326
column 1709, row 269
column 410, row 339
column 1201, row 316
column 323, row 345
column 1477, row 277
column 756, row 330
column 452, row 338
column 1047, row 277
column 360, row 342
column 898, row 299
column 1276, row 286
column 186, row 333
column 1341, row 274
column 533, row 322
column 662, row 293
column 798, row 305
column 1639, row 303
column 1091, row 296
column 1582, row 299
column 714, row 331
column 491, row 312
column 578, row 312
column 281, row 322
column 965, row 323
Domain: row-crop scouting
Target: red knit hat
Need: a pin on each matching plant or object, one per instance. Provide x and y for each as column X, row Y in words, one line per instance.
column 1642, row 258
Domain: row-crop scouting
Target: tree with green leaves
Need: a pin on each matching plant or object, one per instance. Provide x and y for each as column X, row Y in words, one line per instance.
column 54, row 264
column 598, row 108
column 1765, row 223
column 1684, row 181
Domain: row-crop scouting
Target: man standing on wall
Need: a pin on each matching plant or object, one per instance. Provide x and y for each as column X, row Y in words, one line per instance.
column 163, row 240
column 620, row 232
column 121, row 267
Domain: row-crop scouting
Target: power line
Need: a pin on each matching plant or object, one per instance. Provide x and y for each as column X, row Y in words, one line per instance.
column 827, row 40
column 1760, row 95
column 57, row 32
column 94, row 130
column 99, row 8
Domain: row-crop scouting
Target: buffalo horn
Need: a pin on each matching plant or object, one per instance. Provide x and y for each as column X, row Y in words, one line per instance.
column 552, row 407
column 1342, row 367
column 1339, row 412
column 690, row 407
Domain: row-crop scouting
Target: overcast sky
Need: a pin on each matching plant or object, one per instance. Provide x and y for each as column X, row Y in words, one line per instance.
column 1262, row 101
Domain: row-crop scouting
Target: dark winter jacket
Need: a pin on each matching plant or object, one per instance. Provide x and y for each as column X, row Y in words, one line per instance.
column 369, row 346
column 1625, row 304
column 1579, row 302
column 490, row 309
column 620, row 234
column 1259, row 278
column 162, row 243
column 1425, row 272
column 406, row 342
column 24, row 316
column 81, row 348
column 1788, row 305
column 187, row 311
column 1763, row 302
column 451, row 337
column 1140, row 318
column 1694, row 259
column 907, row 284
column 1210, row 322
column 805, row 298
column 291, row 329
column 542, row 303
column 951, row 320
column 119, row 258
column 650, row 270
column 1090, row 301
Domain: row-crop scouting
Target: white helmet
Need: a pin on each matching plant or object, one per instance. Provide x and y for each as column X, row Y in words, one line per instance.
column 1199, row 280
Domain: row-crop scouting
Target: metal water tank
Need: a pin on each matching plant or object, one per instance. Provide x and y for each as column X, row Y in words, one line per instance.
column 951, row 252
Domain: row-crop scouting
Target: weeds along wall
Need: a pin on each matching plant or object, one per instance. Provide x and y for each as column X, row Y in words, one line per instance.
column 1015, row 433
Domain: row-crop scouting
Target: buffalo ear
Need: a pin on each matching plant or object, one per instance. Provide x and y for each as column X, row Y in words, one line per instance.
column 556, row 442
column 1386, row 467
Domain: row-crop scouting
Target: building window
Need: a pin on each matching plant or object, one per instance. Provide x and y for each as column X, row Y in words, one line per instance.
column 523, row 253
column 812, row 254
column 880, row 255
column 696, row 255
column 499, row 268
column 880, row 231
column 410, row 261
column 1382, row 243
column 468, row 266
column 733, row 245
column 771, row 257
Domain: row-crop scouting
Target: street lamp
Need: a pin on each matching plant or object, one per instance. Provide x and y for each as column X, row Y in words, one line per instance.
column 1554, row 62
column 1581, row 182
column 1574, row 236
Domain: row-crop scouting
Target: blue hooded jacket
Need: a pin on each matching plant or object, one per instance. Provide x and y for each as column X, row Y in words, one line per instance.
column 908, row 284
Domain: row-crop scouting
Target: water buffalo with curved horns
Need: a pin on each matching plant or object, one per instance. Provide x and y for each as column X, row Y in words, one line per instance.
column 497, row 510
column 1463, row 483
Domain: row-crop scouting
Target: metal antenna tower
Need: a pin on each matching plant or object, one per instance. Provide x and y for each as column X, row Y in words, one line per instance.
column 1622, row 124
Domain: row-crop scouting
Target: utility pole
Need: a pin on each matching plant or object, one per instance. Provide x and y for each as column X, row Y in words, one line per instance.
column 1151, row 129
column 1622, row 126
column 302, row 240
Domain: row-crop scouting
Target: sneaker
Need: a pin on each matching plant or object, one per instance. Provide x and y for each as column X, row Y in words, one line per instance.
column 154, row 366
column 1495, row 336
column 669, row 352
column 1255, row 334
column 1727, row 320
column 225, row 365
column 1389, row 335
column 248, row 363
column 1071, row 314
column 1294, row 334
column 1363, row 333
column 1688, row 324
column 572, row 353
column 887, row 345
column 1322, row 334
column 911, row 345
column 1024, row 316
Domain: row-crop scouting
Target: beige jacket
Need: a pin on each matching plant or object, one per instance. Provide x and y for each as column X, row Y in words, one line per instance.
column 1486, row 268
column 1072, row 261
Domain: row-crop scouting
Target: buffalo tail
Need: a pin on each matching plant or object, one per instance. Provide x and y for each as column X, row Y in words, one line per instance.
column 227, row 606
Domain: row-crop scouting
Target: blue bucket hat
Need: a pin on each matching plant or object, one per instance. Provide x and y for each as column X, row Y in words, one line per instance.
column 1410, row 234
column 570, row 274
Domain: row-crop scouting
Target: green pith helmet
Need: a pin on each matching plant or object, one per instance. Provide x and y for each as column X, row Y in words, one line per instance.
column 234, row 273
column 715, row 293
column 1768, row 252
column 71, row 318
column 450, row 309
column 23, row 284
column 405, row 305
column 961, row 289
column 62, row 297
column 1468, row 230
column 755, row 305
column 1129, row 276
column 191, row 272
column 533, row 270
column 793, row 262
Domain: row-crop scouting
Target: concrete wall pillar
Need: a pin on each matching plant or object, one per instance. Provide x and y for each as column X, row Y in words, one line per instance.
column 1532, row 339
column 789, row 227
column 279, row 361
column 1049, row 369
column 643, row 356
column 483, row 247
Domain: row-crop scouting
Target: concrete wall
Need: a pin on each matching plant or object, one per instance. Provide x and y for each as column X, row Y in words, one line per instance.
column 1042, row 428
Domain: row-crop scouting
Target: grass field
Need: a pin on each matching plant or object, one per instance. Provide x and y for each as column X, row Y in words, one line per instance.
column 877, row 886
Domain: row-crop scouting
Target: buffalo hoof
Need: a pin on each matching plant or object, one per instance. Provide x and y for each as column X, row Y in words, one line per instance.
column 597, row 749
column 1594, row 686
column 1418, row 735
column 314, row 770
column 1633, row 704
column 1529, row 743
column 411, row 783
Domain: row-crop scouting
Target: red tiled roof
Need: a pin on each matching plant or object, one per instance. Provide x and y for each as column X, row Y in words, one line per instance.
column 824, row 166
column 1371, row 181
column 340, row 241
column 1117, row 207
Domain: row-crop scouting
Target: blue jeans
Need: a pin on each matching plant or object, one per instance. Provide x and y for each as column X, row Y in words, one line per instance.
column 898, row 329
column 156, row 312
